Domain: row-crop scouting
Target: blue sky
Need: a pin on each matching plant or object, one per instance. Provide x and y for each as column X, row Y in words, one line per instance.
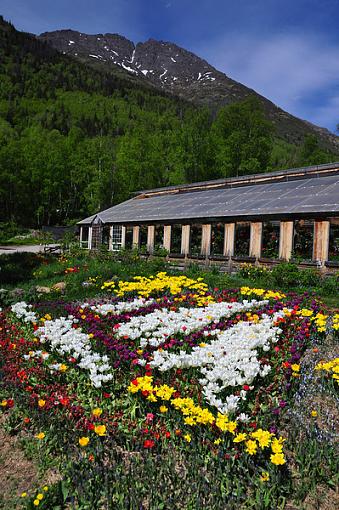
column 287, row 50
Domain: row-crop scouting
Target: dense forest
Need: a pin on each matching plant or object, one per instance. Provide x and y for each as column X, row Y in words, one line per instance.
column 74, row 140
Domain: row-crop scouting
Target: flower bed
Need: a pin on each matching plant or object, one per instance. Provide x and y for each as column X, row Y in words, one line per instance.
column 163, row 364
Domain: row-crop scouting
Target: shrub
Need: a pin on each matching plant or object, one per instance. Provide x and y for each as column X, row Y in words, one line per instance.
column 330, row 285
column 285, row 274
column 310, row 278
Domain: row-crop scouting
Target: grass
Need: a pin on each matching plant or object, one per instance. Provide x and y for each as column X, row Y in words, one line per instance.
column 28, row 271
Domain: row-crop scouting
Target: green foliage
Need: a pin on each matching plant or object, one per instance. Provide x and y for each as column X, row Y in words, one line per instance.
column 285, row 274
column 18, row 267
column 330, row 285
column 75, row 140
column 243, row 138
column 252, row 272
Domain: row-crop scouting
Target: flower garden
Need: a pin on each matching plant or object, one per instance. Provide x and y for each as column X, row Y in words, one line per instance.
column 163, row 393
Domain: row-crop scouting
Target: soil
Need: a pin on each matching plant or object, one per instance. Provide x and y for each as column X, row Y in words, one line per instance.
column 17, row 473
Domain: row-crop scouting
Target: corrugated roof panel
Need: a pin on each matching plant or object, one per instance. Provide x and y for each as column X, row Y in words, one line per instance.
column 317, row 194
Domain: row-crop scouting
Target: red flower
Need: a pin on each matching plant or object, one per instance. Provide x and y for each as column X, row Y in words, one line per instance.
column 145, row 393
column 64, row 401
column 106, row 395
column 167, row 435
column 135, row 382
column 246, row 387
column 149, row 443
column 10, row 402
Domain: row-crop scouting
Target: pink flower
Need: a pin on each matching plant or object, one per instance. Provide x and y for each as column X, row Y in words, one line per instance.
column 149, row 417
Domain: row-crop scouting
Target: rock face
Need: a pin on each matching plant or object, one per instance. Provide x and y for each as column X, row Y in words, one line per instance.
column 168, row 67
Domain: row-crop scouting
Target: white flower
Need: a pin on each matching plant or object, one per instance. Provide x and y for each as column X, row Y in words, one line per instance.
column 230, row 360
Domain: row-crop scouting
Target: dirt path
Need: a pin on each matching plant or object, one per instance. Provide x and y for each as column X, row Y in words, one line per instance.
column 17, row 473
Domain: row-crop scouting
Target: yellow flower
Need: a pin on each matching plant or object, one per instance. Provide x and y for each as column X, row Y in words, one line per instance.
column 63, row 367
column 45, row 488
column 41, row 435
column 41, row 402
column 314, row 413
column 278, row 459
column 100, row 430
column 36, row 502
column 218, row 441
column 97, row 412
column 4, row 403
column 40, row 496
column 83, row 441
column 263, row 437
column 23, row 494
column 265, row 477
column 188, row 438
column 163, row 409
column 240, row 437
column 251, row 447
column 277, row 445
column 295, row 367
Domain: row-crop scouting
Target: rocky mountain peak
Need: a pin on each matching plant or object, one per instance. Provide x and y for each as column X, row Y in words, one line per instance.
column 166, row 66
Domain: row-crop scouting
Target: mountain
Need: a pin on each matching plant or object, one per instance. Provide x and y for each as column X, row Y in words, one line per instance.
column 170, row 68
column 77, row 138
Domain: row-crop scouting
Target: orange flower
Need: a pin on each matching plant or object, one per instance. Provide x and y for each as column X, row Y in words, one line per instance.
column 41, row 402
column 100, row 430
column 83, row 441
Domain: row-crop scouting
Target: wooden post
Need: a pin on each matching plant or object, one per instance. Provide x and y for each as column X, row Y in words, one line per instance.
column 80, row 238
column 167, row 237
column 123, row 237
column 229, row 239
column 321, row 237
column 110, row 238
column 89, row 238
column 135, row 242
column 286, row 240
column 150, row 238
column 255, row 239
column 185, row 239
column 206, row 240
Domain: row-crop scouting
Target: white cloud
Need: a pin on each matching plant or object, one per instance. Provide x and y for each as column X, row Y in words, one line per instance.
column 287, row 68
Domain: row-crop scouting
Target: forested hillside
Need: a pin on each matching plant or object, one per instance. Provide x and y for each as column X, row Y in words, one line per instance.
column 74, row 140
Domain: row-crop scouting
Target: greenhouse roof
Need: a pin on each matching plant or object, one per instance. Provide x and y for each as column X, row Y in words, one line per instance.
column 309, row 195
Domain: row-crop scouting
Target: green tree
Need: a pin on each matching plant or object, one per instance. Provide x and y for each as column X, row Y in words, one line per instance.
column 242, row 138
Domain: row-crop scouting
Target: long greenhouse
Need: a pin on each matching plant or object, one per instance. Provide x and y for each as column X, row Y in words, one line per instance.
column 260, row 218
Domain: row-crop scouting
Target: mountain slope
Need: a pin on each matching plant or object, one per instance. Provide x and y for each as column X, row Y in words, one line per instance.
column 168, row 67
column 75, row 139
